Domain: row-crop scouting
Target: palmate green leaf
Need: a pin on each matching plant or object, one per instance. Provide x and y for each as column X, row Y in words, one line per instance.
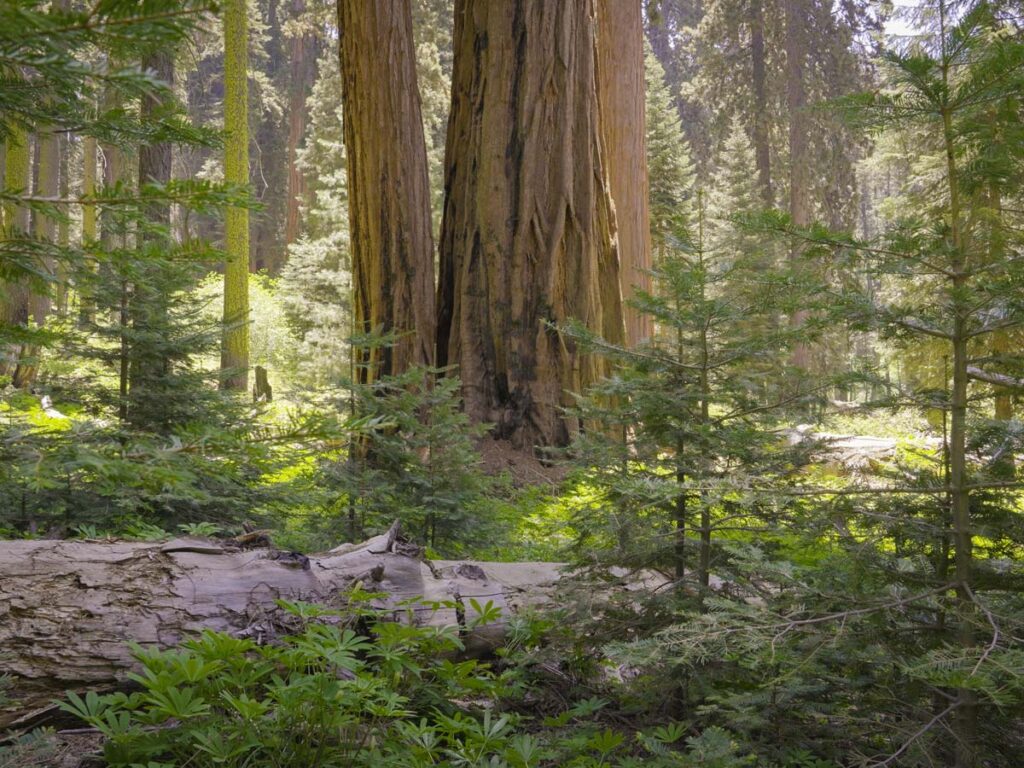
column 224, row 748
column 605, row 742
column 484, row 614
column 179, row 703
column 669, row 734
column 526, row 751
column 248, row 708
column 90, row 709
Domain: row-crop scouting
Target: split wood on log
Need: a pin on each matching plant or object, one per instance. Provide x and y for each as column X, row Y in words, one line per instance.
column 68, row 609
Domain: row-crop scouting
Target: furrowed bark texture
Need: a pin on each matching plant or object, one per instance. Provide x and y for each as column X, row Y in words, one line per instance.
column 69, row 608
column 234, row 356
column 528, row 230
column 623, row 130
column 389, row 193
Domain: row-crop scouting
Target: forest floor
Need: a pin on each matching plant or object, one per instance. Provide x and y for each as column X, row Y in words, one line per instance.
column 523, row 466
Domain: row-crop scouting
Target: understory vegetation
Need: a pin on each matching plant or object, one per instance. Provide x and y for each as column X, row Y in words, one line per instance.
column 782, row 469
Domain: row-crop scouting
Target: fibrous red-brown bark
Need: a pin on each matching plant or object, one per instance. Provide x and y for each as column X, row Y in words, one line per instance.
column 623, row 130
column 389, row 193
column 68, row 609
column 527, row 239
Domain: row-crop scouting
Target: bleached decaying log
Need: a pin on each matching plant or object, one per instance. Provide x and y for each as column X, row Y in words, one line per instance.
column 999, row 379
column 68, row 609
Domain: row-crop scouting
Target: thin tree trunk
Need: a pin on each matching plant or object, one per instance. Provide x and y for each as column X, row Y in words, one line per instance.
column 113, row 166
column 1000, row 346
column 704, row 462
column 45, row 229
column 796, row 99
column 680, row 468
column 679, row 520
column 123, row 319
column 966, row 719
column 302, row 74
column 389, row 192
column 528, row 231
column 63, row 225
column 234, row 355
column 760, row 136
column 14, row 301
column 87, row 307
column 621, row 95
column 965, row 724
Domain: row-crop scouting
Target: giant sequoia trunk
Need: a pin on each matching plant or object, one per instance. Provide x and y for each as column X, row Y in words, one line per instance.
column 69, row 608
column 623, row 129
column 389, row 193
column 527, row 240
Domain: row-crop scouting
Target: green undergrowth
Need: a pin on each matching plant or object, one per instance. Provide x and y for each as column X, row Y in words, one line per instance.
column 351, row 689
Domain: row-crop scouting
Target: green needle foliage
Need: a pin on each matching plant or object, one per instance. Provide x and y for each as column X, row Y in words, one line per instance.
column 869, row 625
column 420, row 465
column 685, row 434
column 329, row 695
column 124, row 427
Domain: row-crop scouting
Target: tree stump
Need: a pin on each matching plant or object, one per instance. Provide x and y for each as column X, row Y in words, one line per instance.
column 262, row 392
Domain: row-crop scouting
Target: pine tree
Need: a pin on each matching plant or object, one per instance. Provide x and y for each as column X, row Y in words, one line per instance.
column 733, row 196
column 316, row 281
column 942, row 90
column 689, row 422
column 670, row 168
column 933, row 537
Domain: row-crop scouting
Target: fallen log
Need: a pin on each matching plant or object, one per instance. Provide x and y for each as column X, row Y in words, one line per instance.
column 68, row 609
